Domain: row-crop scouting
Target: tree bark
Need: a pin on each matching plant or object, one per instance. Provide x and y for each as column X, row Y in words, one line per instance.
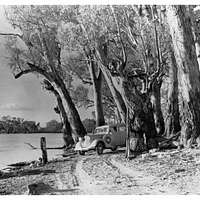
column 188, row 71
column 97, row 91
column 115, row 93
column 98, row 102
column 141, row 117
column 67, row 132
column 195, row 29
column 172, row 120
column 74, row 118
column 156, row 103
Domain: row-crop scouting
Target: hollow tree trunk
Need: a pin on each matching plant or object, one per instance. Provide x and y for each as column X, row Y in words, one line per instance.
column 74, row 118
column 188, row 71
column 172, row 120
column 97, row 91
column 156, row 103
column 141, row 119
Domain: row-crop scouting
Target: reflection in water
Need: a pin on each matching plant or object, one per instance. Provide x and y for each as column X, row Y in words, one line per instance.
column 13, row 148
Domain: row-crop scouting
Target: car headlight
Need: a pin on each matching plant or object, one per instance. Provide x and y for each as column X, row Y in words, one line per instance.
column 108, row 139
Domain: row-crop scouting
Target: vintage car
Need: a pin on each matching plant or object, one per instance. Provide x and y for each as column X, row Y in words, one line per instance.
column 103, row 137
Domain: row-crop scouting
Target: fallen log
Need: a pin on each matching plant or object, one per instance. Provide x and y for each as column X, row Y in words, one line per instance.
column 170, row 142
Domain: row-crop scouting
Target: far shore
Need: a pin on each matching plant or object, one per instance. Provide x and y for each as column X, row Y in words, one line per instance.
column 31, row 133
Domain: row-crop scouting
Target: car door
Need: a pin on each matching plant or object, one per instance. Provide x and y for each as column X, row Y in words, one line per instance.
column 115, row 136
column 122, row 134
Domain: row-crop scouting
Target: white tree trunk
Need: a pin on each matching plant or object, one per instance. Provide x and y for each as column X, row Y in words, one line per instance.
column 188, row 70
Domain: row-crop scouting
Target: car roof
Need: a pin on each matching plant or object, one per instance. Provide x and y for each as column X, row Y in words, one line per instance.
column 111, row 125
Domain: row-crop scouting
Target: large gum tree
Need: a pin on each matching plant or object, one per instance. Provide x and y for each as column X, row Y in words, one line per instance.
column 179, row 20
column 38, row 50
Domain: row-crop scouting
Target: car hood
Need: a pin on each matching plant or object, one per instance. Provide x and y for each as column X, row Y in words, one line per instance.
column 89, row 141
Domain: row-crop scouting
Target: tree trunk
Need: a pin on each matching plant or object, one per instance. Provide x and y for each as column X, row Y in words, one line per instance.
column 67, row 132
column 172, row 120
column 97, row 91
column 188, row 70
column 156, row 103
column 98, row 104
column 115, row 93
column 141, row 117
column 195, row 29
column 197, row 45
column 149, row 127
column 74, row 117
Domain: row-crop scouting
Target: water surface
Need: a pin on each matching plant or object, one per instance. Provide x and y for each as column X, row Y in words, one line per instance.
column 13, row 148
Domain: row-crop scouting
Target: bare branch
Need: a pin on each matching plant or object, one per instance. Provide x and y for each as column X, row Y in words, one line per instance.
column 12, row 34
column 42, row 72
column 124, row 59
column 23, row 72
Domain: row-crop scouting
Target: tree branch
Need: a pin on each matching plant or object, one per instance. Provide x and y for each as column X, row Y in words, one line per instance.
column 124, row 59
column 12, row 34
column 34, row 68
column 23, row 72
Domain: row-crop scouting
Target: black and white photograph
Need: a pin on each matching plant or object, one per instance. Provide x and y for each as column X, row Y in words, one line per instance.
column 99, row 99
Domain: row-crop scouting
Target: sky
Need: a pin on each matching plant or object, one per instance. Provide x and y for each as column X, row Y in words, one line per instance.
column 23, row 97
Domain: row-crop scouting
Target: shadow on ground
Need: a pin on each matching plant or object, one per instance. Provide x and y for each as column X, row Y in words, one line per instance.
column 26, row 172
column 43, row 188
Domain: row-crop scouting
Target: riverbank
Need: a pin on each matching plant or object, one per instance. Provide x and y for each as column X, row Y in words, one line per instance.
column 157, row 172
column 48, row 178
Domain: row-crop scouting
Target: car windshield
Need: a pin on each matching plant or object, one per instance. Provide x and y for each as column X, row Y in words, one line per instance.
column 102, row 130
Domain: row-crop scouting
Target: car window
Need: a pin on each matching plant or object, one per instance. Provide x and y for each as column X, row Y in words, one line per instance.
column 101, row 130
column 122, row 128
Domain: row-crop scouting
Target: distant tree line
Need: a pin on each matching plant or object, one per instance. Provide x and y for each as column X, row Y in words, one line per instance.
column 10, row 124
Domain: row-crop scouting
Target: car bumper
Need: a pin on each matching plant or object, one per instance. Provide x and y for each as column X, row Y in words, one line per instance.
column 81, row 147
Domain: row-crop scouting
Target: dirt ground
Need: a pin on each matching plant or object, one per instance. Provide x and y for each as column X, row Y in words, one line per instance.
column 156, row 172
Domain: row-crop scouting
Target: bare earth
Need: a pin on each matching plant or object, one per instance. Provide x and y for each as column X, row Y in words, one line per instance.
column 163, row 172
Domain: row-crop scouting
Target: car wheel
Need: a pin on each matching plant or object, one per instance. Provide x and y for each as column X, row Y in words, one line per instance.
column 114, row 148
column 100, row 148
column 82, row 153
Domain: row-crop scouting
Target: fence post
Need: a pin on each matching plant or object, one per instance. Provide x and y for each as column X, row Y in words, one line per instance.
column 43, row 149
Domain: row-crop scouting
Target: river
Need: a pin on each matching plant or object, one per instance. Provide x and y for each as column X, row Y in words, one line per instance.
column 13, row 148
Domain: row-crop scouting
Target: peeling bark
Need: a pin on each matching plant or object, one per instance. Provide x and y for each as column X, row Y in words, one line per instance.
column 172, row 120
column 188, row 71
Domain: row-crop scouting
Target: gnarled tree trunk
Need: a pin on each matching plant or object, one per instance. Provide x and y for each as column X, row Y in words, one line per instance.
column 188, row 71
column 141, row 119
column 172, row 120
